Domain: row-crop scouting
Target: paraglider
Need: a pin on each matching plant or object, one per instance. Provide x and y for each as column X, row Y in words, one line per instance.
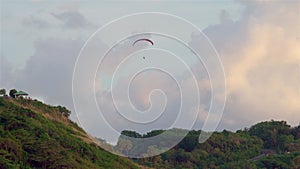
column 148, row 40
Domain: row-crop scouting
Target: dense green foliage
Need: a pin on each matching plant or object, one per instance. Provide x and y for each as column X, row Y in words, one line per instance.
column 247, row 148
column 35, row 135
column 282, row 161
column 222, row 150
column 275, row 134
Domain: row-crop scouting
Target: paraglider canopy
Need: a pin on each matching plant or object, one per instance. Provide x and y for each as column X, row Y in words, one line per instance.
column 144, row 39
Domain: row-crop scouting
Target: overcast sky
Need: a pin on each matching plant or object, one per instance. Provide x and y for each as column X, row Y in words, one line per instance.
column 258, row 44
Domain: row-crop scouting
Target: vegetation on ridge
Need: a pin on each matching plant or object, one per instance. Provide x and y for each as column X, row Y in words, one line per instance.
column 35, row 135
column 272, row 144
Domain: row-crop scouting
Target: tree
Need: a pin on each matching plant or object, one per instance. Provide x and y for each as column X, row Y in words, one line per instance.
column 189, row 142
column 64, row 111
column 12, row 93
column 296, row 132
column 132, row 134
column 3, row 92
column 270, row 132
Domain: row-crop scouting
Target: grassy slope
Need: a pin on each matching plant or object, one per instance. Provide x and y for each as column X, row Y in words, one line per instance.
column 35, row 135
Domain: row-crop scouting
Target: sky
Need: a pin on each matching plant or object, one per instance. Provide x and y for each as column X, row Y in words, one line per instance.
column 257, row 42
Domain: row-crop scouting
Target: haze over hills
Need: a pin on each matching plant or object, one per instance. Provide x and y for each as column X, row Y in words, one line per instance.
column 37, row 135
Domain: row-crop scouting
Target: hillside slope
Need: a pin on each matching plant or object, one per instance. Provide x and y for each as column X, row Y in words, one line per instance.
column 36, row 135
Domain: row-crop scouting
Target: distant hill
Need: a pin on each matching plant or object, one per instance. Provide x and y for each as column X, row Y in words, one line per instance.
column 36, row 135
column 270, row 145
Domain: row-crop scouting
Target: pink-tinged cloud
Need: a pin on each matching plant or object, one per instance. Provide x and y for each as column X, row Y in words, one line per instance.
column 261, row 56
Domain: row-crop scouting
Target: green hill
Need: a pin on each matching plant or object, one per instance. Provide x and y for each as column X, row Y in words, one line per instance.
column 36, row 135
column 268, row 145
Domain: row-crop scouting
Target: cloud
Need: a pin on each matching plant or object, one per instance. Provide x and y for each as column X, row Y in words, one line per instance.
column 48, row 72
column 261, row 57
column 6, row 70
column 36, row 22
column 143, row 98
column 35, row 1
column 69, row 6
column 73, row 19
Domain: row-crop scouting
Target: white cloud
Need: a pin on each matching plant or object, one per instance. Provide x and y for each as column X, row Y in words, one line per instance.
column 261, row 57
column 73, row 19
